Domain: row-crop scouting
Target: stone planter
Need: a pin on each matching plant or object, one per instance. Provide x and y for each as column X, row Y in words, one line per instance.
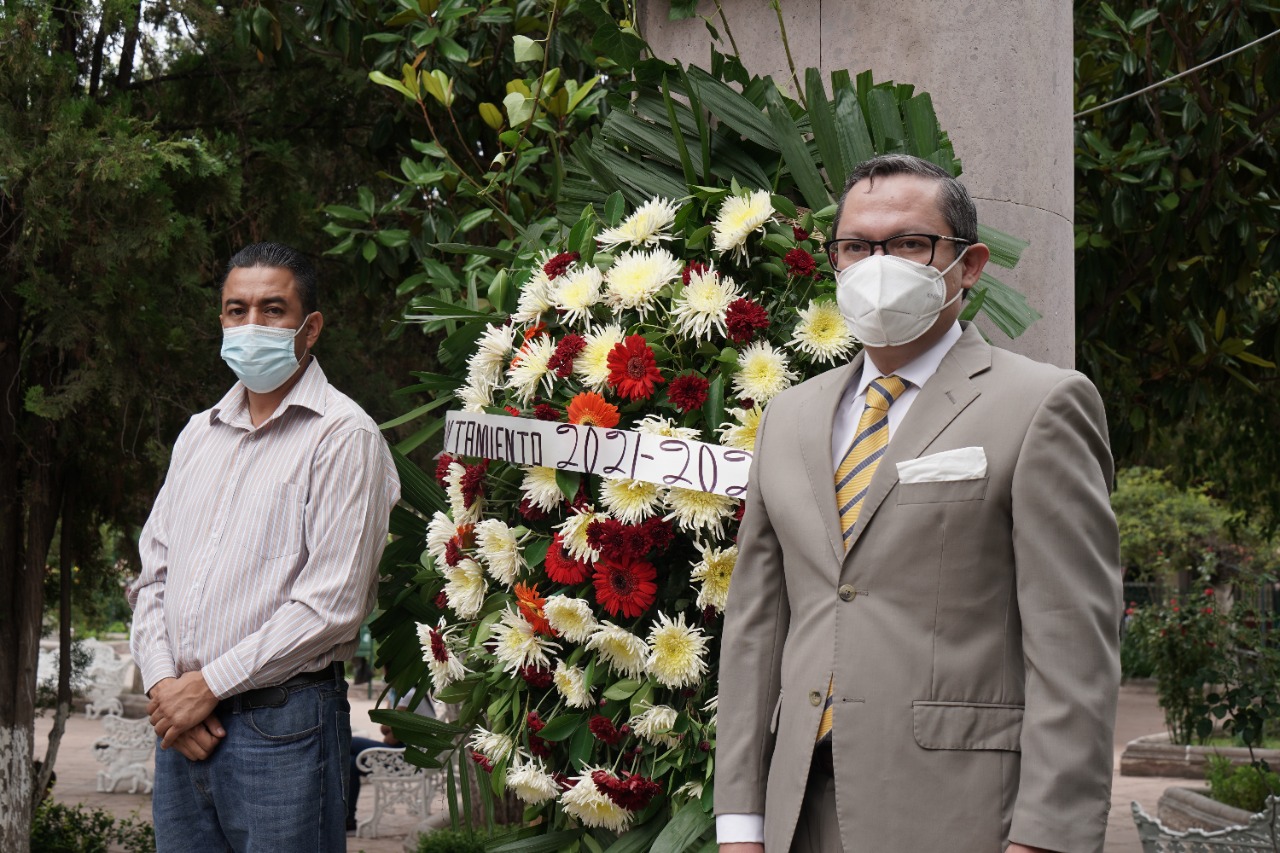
column 1153, row 755
column 1191, row 808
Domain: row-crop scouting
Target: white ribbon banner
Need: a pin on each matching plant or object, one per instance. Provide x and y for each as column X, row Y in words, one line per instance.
column 658, row 459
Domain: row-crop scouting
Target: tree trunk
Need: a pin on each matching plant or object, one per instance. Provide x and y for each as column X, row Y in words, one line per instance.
column 66, row 565
column 130, row 45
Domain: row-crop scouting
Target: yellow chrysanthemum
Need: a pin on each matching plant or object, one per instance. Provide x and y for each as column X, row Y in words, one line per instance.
column 694, row 510
column 676, row 652
column 529, row 370
column 713, row 572
column 645, row 227
column 665, row 427
column 493, row 351
column 700, row 307
column 531, row 783
column 636, row 278
column 763, row 372
column 741, row 435
column 447, row 668
column 465, row 587
column 585, row 802
column 474, row 398
column 822, row 333
column 592, row 364
column 630, row 501
column 497, row 546
column 518, row 645
column 540, row 488
column 462, row 514
column 578, row 293
column 573, row 534
column 536, row 294
column 440, row 529
column 655, row 725
column 623, row 651
column 739, row 216
column 494, row 746
column 570, row 617
column 571, row 681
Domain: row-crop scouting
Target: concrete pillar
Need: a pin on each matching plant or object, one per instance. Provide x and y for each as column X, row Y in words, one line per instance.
column 1000, row 73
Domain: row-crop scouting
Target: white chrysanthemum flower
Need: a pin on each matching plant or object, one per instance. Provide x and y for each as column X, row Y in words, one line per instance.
column 713, row 706
column 492, row 745
column 763, row 372
column 630, row 501
column 694, row 510
column 623, row 651
column 676, row 652
column 636, row 278
column 585, row 802
column 571, row 681
column 645, row 227
column 531, row 783
column 536, row 294
column 713, row 572
column 691, row 789
column 462, row 514
column 569, row 617
column 822, row 333
column 592, row 364
column 578, row 293
column 437, row 652
column 497, row 546
column 474, row 398
column 666, row 427
column 518, row 645
column 739, row 216
column 465, row 587
column 573, row 535
column 440, row 530
column 742, row 435
column 700, row 307
column 540, row 488
column 493, row 350
column 529, row 370
column 655, row 725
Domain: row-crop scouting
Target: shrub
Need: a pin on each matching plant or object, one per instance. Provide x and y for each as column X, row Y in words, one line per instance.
column 450, row 841
column 59, row 828
column 1242, row 786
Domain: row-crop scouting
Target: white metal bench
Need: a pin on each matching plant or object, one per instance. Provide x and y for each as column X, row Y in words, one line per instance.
column 1259, row 834
column 395, row 782
column 105, row 676
column 126, row 749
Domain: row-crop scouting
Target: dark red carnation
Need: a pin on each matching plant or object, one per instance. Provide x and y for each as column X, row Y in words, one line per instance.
column 659, row 533
column 536, row 677
column 620, row 542
column 799, row 233
column 561, row 361
column 443, row 461
column 746, row 403
column 530, row 512
column 438, row 649
column 473, row 482
column 561, row 568
column 743, row 318
column 604, row 730
column 688, row 392
column 559, row 263
column 691, row 269
column 535, row 721
column 546, row 412
column 539, row 747
column 442, row 600
column 632, row 791
column 800, row 263
column 452, row 552
column 625, row 586
column 633, row 369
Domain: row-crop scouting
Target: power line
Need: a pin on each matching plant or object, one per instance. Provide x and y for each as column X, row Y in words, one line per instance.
column 1157, row 85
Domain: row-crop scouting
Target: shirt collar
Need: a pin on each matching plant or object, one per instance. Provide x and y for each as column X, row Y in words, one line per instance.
column 309, row 393
column 918, row 370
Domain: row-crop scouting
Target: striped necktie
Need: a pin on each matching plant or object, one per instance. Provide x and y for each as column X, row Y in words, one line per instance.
column 853, row 477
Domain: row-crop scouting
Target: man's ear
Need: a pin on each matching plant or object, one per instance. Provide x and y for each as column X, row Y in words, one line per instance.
column 972, row 262
column 315, row 323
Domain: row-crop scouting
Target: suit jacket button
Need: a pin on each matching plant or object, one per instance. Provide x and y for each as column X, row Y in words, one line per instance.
column 846, row 593
column 815, row 698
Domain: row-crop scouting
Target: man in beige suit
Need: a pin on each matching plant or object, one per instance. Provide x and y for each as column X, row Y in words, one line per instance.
column 956, row 608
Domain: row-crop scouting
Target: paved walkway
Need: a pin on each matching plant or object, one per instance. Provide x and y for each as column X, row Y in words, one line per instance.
column 77, row 773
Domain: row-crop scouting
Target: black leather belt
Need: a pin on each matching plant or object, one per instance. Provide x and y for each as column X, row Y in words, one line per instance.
column 823, row 764
column 277, row 695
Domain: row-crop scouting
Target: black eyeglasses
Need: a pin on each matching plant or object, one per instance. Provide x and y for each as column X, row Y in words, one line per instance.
column 912, row 247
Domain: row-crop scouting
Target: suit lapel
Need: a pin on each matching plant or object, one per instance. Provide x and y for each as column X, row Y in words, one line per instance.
column 816, row 418
column 944, row 396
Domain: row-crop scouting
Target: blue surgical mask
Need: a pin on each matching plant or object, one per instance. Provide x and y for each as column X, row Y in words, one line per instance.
column 261, row 356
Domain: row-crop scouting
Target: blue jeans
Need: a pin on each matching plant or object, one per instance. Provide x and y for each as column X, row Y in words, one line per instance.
column 276, row 784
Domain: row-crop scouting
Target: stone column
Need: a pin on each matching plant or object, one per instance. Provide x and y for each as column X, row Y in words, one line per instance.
column 1000, row 73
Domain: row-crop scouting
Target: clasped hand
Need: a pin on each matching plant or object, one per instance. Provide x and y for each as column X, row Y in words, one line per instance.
column 181, row 712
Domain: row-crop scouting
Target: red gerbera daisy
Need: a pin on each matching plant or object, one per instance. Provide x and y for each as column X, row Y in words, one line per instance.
column 625, row 586
column 633, row 370
column 800, row 263
column 742, row 318
column 688, row 392
column 563, row 569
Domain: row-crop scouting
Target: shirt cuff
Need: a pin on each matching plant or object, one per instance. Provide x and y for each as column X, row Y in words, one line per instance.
column 157, row 670
column 225, row 677
column 740, row 828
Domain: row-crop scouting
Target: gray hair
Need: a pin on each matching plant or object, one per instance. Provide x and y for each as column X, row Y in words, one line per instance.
column 956, row 205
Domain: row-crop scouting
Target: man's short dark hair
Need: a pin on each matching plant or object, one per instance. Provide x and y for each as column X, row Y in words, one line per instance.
column 280, row 256
column 957, row 207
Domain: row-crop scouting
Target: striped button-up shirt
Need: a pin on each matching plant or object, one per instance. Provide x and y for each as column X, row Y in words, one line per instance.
column 259, row 560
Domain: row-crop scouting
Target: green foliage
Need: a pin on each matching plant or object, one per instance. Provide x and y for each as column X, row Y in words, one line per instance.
column 60, row 828
column 451, row 841
column 1242, row 786
column 47, row 690
column 1134, row 662
column 1176, row 285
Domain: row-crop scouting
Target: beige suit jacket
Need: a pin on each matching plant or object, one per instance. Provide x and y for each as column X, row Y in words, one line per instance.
column 971, row 628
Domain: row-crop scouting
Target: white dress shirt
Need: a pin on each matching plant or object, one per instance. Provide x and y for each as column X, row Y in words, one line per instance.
column 749, row 828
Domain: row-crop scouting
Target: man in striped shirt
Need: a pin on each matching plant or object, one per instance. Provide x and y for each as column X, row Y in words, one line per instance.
column 259, row 563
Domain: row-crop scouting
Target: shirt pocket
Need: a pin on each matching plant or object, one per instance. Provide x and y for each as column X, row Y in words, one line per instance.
column 942, row 491
column 967, row 725
column 272, row 521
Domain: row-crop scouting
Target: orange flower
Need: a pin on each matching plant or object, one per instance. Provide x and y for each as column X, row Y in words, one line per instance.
column 531, row 605
column 590, row 409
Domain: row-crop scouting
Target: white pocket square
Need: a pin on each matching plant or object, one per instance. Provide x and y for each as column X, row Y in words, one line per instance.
column 965, row 463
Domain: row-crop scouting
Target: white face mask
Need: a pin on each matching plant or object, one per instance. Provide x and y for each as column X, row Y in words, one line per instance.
column 889, row 301
column 261, row 357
